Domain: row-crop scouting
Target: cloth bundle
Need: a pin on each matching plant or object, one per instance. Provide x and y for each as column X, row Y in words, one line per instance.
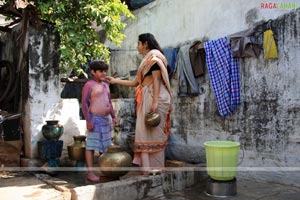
column 244, row 44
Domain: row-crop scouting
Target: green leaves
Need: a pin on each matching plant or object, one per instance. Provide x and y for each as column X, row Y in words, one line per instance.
column 77, row 21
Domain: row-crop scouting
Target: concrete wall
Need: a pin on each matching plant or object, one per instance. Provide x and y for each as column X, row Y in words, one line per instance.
column 44, row 102
column 266, row 123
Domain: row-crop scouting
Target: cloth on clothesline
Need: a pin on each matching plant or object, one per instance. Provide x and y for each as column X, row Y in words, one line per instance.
column 270, row 48
column 171, row 55
column 188, row 86
column 197, row 57
column 244, row 44
column 223, row 71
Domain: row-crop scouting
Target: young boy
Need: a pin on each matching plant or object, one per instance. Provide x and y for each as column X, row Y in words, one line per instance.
column 96, row 108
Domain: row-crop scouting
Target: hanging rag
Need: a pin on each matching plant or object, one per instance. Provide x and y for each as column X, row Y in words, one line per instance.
column 188, row 85
column 244, row 44
column 223, row 71
column 197, row 57
column 171, row 55
column 270, row 49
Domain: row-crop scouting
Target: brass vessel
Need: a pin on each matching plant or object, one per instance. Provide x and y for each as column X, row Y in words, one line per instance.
column 114, row 162
column 152, row 119
column 76, row 151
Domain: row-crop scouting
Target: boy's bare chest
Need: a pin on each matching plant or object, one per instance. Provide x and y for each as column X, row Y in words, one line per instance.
column 98, row 90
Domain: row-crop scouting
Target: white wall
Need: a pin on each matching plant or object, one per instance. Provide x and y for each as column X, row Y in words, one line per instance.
column 174, row 22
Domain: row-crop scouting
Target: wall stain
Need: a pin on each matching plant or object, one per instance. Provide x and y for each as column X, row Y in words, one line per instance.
column 44, row 60
column 251, row 16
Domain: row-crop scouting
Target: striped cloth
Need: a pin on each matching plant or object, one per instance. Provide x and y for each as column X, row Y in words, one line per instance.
column 100, row 138
column 223, row 71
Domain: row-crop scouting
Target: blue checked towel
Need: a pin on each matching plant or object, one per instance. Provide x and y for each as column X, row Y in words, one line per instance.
column 100, row 138
column 223, row 71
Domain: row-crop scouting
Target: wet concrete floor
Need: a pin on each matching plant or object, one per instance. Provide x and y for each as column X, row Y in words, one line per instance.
column 246, row 190
column 25, row 185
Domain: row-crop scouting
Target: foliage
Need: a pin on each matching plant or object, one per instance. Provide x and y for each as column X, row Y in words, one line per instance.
column 77, row 21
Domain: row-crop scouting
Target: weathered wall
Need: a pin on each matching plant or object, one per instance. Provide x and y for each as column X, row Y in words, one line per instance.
column 44, row 102
column 43, row 84
column 266, row 123
column 123, row 135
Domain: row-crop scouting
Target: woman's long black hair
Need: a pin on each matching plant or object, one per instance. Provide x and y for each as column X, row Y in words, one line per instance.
column 152, row 44
column 150, row 39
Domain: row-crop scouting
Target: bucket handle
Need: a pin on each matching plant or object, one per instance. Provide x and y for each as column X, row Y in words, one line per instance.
column 242, row 157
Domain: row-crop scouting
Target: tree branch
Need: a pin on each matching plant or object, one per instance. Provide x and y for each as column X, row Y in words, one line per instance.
column 10, row 9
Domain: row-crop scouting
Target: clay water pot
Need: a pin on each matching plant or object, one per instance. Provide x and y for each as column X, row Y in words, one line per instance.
column 52, row 130
column 76, row 151
column 112, row 160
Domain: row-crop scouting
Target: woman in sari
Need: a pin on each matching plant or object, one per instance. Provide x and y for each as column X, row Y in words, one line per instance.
column 153, row 94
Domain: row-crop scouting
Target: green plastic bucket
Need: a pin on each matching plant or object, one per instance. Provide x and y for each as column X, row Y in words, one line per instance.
column 222, row 159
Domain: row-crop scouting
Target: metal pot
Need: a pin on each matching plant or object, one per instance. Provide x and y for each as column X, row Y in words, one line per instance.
column 221, row 189
column 113, row 162
column 152, row 119
column 76, row 151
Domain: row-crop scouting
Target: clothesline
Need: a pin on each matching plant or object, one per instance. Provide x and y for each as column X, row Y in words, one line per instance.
column 221, row 57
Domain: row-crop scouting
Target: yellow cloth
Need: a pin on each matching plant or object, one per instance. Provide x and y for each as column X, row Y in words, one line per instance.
column 270, row 49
